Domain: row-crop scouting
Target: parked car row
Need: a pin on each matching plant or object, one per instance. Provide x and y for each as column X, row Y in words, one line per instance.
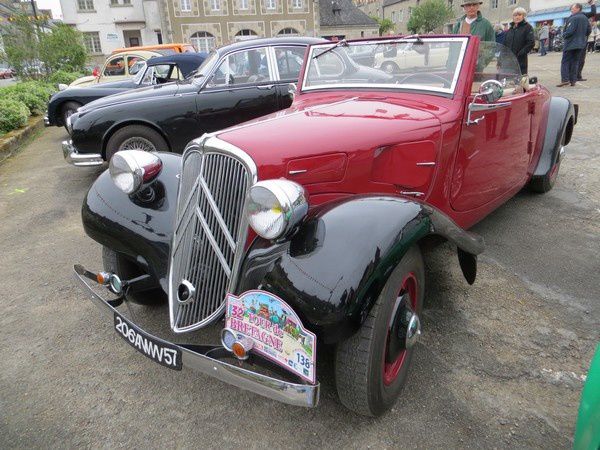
column 285, row 190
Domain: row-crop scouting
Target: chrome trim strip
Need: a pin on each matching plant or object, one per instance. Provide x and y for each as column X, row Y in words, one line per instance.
column 430, row 163
column 80, row 159
column 213, row 242
column 305, row 395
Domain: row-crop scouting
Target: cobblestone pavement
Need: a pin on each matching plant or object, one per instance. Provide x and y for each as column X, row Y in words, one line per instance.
column 501, row 363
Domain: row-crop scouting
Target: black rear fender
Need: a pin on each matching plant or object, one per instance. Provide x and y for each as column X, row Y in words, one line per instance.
column 561, row 120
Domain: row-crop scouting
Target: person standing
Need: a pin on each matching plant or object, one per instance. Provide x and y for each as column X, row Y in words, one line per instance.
column 519, row 38
column 544, row 36
column 474, row 23
column 575, row 33
column 593, row 36
column 590, row 15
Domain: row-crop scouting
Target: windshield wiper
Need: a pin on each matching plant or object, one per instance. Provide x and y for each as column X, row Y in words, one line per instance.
column 338, row 44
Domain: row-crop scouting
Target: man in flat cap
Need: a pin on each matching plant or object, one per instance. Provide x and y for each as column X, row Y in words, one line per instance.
column 474, row 23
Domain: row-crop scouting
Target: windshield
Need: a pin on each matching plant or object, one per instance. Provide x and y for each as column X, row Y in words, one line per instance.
column 430, row 64
column 205, row 67
column 140, row 73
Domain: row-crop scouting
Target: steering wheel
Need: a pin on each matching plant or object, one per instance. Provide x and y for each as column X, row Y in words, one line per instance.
column 432, row 76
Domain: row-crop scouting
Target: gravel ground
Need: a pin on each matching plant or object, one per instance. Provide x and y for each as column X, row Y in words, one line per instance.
column 501, row 363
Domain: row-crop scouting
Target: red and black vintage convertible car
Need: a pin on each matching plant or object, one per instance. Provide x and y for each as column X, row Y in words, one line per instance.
column 304, row 228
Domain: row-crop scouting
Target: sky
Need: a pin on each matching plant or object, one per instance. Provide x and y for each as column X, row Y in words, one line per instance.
column 54, row 5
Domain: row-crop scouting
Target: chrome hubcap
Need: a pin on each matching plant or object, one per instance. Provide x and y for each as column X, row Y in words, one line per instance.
column 413, row 331
column 137, row 143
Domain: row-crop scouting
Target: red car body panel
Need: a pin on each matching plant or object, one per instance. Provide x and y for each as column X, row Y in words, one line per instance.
column 341, row 142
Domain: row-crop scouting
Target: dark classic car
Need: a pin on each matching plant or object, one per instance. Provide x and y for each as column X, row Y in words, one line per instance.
column 304, row 228
column 158, row 70
column 236, row 83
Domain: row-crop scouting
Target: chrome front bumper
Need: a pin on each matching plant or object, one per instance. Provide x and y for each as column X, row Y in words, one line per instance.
column 80, row 159
column 306, row 395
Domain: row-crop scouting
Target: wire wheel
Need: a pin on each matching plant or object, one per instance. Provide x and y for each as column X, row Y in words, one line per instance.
column 137, row 143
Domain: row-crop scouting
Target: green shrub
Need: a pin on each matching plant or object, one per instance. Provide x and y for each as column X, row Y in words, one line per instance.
column 34, row 94
column 64, row 77
column 14, row 114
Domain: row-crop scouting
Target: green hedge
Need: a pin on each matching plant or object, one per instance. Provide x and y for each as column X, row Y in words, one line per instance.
column 61, row 76
column 14, row 114
column 34, row 94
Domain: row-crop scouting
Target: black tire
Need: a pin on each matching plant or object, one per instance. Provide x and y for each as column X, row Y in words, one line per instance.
column 389, row 67
column 127, row 137
column 126, row 269
column 359, row 368
column 66, row 110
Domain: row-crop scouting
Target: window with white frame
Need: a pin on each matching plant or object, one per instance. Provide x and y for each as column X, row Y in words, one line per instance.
column 203, row 41
column 512, row 2
column 297, row 4
column 215, row 5
column 288, row 32
column 394, row 16
column 245, row 34
column 271, row 4
column 494, row 4
column 186, row 5
column 85, row 5
column 244, row 4
column 401, row 15
column 91, row 41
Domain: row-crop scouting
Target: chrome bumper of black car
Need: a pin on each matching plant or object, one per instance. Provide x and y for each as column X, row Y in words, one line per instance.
column 80, row 159
column 283, row 391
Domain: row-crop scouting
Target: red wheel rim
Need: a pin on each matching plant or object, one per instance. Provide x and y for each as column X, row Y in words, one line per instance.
column 391, row 370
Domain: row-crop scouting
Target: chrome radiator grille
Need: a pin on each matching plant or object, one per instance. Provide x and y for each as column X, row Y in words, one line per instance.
column 209, row 233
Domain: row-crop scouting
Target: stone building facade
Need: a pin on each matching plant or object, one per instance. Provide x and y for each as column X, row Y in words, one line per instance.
column 342, row 19
column 211, row 23
column 110, row 24
column 399, row 11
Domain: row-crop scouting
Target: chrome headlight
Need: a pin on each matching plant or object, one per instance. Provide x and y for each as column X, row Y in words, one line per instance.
column 275, row 207
column 130, row 169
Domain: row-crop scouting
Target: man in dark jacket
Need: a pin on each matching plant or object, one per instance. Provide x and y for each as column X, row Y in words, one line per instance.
column 577, row 28
column 590, row 15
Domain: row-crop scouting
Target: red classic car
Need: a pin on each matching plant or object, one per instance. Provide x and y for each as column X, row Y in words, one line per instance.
column 304, row 228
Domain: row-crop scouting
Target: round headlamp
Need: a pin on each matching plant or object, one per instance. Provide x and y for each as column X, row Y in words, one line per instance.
column 130, row 169
column 275, row 207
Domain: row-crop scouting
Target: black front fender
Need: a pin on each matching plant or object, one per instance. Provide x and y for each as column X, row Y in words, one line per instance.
column 141, row 230
column 333, row 268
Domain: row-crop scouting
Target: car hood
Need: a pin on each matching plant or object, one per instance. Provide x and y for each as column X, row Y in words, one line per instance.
column 355, row 126
column 161, row 90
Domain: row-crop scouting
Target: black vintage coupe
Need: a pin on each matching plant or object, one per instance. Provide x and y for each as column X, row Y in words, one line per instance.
column 236, row 83
column 157, row 70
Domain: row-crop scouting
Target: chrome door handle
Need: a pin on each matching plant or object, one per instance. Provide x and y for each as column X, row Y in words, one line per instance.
column 266, row 87
column 476, row 107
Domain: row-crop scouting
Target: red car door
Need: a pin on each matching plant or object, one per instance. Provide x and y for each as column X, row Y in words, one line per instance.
column 493, row 154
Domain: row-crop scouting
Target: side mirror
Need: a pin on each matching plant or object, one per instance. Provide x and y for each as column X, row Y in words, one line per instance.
column 490, row 91
column 292, row 89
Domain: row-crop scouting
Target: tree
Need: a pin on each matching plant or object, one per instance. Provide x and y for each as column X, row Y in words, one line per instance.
column 428, row 16
column 63, row 49
column 20, row 44
column 385, row 25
